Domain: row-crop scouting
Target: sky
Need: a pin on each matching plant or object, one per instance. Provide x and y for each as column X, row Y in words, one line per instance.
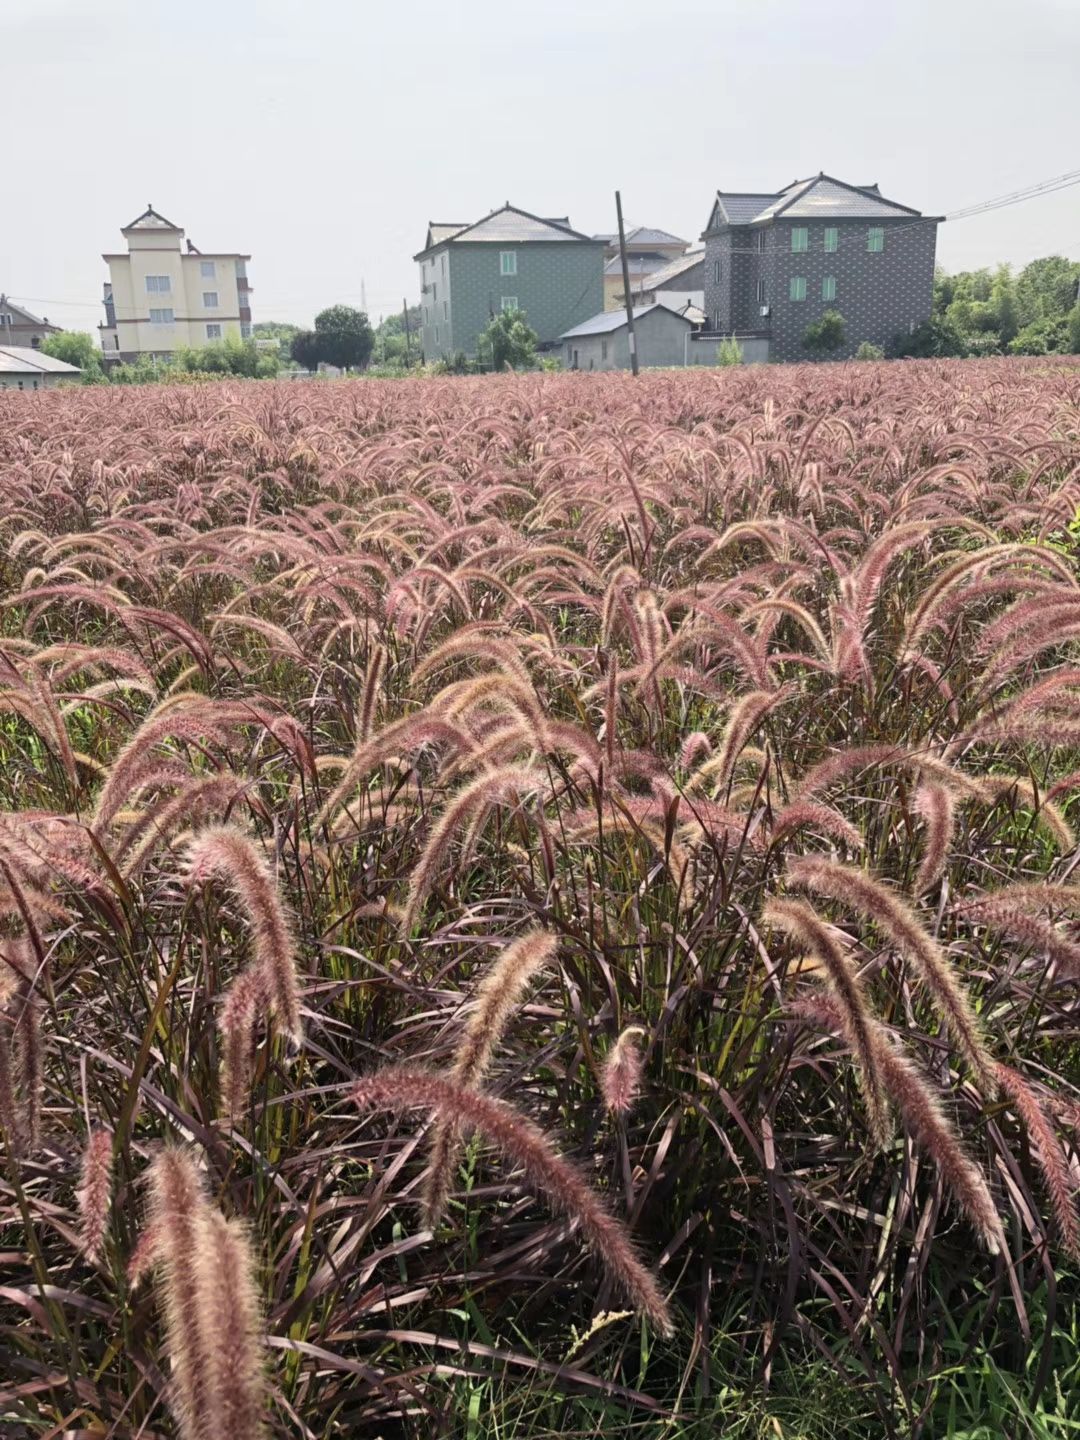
column 321, row 137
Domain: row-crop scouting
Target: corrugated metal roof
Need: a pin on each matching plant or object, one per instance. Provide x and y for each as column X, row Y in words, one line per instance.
column 610, row 320
column 22, row 360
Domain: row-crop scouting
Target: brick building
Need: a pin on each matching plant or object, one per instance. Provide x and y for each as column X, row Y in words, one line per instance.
column 774, row 263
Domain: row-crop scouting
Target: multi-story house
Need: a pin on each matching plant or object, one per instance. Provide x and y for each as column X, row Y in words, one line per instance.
column 161, row 294
column 647, row 250
column 18, row 327
column 774, row 263
column 509, row 260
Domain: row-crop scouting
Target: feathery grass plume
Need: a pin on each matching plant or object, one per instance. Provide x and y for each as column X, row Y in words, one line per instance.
column 1004, row 910
column 369, row 699
column 504, row 786
column 611, row 709
column 746, row 715
column 398, row 738
column 923, row 1116
column 620, row 1079
column 853, row 887
column 245, row 1001
column 144, row 1254
column 22, row 1074
column 798, row 920
column 809, row 815
column 229, row 1311
column 934, row 803
column 157, row 822
column 94, row 1195
column 227, row 852
column 696, row 747
column 1049, row 1154
column 177, row 1203
column 855, row 758
column 496, row 998
column 524, row 1144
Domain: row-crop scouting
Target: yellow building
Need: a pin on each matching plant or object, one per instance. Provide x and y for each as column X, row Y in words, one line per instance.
column 162, row 295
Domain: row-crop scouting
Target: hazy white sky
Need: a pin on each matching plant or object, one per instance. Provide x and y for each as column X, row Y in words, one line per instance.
column 322, row 135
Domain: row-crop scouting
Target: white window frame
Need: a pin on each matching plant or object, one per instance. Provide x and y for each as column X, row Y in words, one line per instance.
column 210, row 300
column 159, row 284
column 875, row 232
column 508, row 262
column 207, row 270
column 509, row 302
column 795, row 284
column 828, row 287
column 831, row 232
column 800, row 232
column 165, row 315
column 213, row 326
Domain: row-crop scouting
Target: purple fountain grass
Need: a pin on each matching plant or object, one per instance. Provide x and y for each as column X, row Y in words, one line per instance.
column 1060, row 1185
column 521, row 1142
column 796, row 919
column 924, row 1118
column 1004, row 910
column 246, row 1000
column 934, row 803
column 222, row 850
column 620, row 1079
column 507, row 785
column 896, row 920
column 94, row 1195
column 496, row 998
column 746, row 715
column 229, row 1312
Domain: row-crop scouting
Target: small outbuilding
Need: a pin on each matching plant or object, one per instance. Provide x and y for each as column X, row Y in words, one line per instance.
column 22, row 368
column 603, row 343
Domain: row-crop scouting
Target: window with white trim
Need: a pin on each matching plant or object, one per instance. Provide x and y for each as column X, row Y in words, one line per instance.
column 828, row 287
column 507, row 262
column 832, row 239
column 800, row 239
column 158, row 284
column 161, row 317
column 206, row 269
column 875, row 238
column 213, row 332
column 210, row 299
column 797, row 290
column 509, row 302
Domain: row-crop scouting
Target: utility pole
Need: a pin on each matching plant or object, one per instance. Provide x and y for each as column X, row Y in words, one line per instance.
column 405, row 317
column 627, row 295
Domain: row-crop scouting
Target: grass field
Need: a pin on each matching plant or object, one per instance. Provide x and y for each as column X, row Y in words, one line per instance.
column 542, row 905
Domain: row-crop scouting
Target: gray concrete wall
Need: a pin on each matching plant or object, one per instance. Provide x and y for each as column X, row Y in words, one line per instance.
column 755, row 350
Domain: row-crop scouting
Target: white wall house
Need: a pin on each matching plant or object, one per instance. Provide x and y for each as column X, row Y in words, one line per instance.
column 161, row 295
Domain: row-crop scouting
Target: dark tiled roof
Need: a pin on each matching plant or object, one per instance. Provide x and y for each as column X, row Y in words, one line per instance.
column 671, row 272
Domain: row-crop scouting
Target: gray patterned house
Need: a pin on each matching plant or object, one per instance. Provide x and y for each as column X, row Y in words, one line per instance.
column 774, row 263
column 509, row 260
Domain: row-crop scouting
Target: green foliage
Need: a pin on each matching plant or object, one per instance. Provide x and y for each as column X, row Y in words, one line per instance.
column 996, row 313
column 393, row 350
column 276, row 330
column 729, row 352
column 456, row 364
column 509, row 341
column 937, row 339
column 75, row 347
column 304, row 349
column 1074, row 329
column 230, row 356
column 826, row 335
column 345, row 337
column 866, row 351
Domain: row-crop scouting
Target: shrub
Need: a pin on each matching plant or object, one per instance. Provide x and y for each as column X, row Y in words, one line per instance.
column 866, row 351
column 826, row 335
column 729, row 352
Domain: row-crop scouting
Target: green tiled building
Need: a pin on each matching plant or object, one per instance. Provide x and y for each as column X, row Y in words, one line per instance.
column 508, row 260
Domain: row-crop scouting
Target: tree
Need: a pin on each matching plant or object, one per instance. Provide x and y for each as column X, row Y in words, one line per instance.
column 1003, row 301
column 75, row 347
column 275, row 330
column 1046, row 287
column 304, row 349
column 510, row 341
column 729, row 352
column 345, row 337
column 866, row 351
column 231, row 356
column 934, row 339
column 827, row 335
column 1074, row 329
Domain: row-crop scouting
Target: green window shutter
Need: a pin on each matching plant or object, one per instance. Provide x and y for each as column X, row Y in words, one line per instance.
column 875, row 238
column 800, row 238
column 832, row 238
column 828, row 287
column 798, row 287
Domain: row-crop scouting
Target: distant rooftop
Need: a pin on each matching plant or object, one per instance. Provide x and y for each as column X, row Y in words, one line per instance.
column 821, row 197
column 609, row 320
column 21, row 360
column 507, row 225
column 150, row 220
column 644, row 235
column 670, row 273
